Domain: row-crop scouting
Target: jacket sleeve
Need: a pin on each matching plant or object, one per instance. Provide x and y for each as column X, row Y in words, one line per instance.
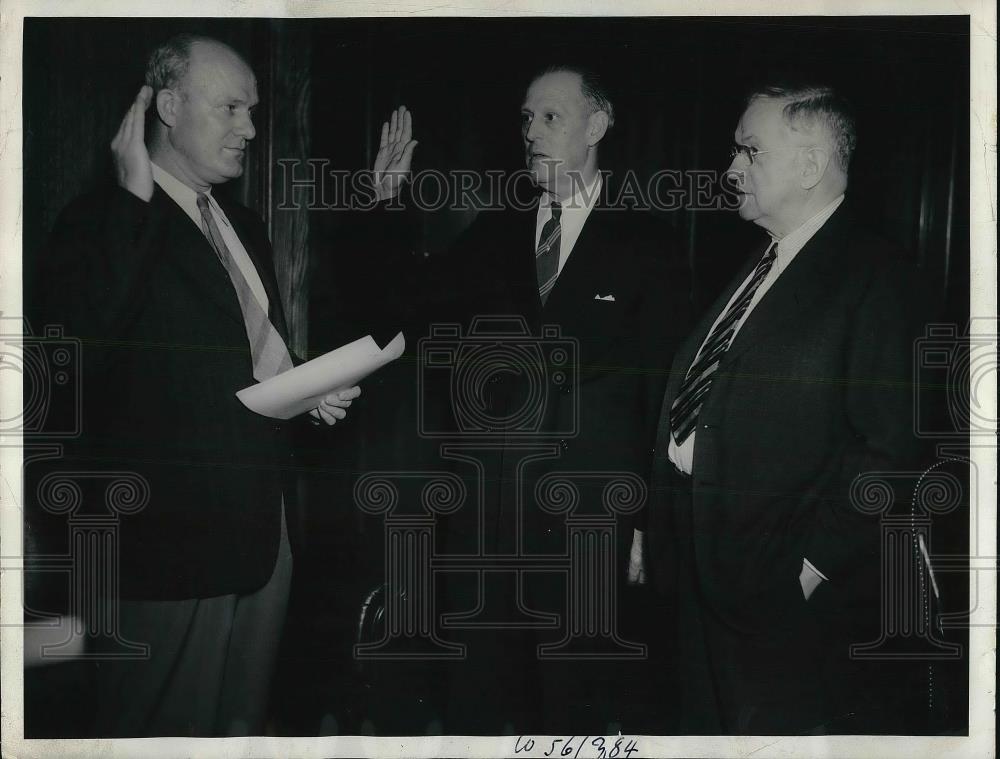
column 665, row 321
column 878, row 408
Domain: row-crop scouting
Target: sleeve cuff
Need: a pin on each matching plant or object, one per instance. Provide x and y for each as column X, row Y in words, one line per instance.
column 814, row 570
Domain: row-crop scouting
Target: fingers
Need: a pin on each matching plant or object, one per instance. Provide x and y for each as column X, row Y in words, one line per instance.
column 328, row 413
column 133, row 125
column 145, row 97
column 334, row 406
column 328, row 417
column 320, row 415
column 407, row 122
column 341, row 398
column 139, row 112
column 125, row 127
column 398, row 128
column 350, row 393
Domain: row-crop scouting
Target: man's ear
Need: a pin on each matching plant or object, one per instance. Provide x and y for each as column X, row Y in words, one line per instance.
column 597, row 127
column 814, row 165
column 167, row 103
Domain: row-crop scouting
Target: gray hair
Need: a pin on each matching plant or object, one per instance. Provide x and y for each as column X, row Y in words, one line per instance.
column 813, row 105
column 594, row 90
column 168, row 63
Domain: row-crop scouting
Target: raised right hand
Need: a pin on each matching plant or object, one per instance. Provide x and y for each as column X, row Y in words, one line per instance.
column 395, row 153
column 132, row 165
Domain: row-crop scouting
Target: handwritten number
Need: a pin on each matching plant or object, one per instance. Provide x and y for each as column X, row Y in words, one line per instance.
column 630, row 748
column 599, row 743
column 528, row 745
column 553, row 746
column 568, row 748
column 616, row 749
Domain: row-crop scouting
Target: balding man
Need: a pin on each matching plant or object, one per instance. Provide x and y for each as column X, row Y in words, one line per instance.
column 173, row 292
column 795, row 382
column 574, row 263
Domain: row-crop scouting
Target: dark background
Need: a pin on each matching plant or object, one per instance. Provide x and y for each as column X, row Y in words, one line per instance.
column 325, row 87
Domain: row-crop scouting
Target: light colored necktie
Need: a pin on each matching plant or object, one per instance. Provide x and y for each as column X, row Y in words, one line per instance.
column 268, row 350
column 547, row 255
column 698, row 380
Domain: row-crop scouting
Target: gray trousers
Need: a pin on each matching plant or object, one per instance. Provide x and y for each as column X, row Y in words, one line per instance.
column 210, row 662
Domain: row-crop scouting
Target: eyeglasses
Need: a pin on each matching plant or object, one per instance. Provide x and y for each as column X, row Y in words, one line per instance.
column 750, row 153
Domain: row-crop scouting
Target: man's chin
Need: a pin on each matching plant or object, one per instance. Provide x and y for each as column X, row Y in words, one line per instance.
column 538, row 178
column 233, row 170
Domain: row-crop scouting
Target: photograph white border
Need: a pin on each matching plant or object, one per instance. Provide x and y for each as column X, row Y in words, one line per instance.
column 983, row 183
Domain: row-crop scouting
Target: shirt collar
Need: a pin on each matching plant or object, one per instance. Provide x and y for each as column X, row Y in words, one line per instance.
column 582, row 201
column 184, row 196
column 795, row 240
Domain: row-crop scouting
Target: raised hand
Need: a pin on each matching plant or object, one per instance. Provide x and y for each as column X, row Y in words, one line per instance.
column 395, row 152
column 132, row 165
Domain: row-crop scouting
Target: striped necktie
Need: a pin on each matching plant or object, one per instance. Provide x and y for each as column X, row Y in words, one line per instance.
column 267, row 349
column 547, row 255
column 685, row 408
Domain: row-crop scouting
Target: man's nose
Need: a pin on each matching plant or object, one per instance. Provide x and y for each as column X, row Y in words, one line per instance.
column 530, row 133
column 245, row 127
column 735, row 174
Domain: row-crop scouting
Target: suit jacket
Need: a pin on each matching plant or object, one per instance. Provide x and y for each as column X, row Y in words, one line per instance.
column 814, row 390
column 164, row 350
column 603, row 420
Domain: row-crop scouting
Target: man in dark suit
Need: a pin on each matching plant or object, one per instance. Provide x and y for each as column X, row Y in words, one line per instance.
column 610, row 284
column 796, row 381
column 173, row 293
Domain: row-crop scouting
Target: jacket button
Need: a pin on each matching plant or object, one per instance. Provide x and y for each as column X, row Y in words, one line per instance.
column 563, row 445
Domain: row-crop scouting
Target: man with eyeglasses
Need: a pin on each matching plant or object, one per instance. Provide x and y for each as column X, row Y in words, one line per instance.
column 796, row 381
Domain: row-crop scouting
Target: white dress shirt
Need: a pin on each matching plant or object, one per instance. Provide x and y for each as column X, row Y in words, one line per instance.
column 187, row 199
column 574, row 215
column 787, row 248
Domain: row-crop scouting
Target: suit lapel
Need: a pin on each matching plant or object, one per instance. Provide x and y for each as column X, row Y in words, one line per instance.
column 589, row 255
column 800, row 286
column 689, row 348
column 521, row 264
column 194, row 256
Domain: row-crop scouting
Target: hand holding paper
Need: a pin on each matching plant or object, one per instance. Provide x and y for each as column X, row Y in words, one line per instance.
column 309, row 386
column 334, row 406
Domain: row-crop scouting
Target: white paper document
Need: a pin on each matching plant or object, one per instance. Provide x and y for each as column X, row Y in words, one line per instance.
column 301, row 389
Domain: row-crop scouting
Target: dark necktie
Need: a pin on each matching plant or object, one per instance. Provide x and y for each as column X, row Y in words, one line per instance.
column 698, row 380
column 267, row 349
column 547, row 255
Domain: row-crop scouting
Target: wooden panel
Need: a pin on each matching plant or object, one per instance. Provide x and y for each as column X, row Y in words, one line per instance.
column 289, row 92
